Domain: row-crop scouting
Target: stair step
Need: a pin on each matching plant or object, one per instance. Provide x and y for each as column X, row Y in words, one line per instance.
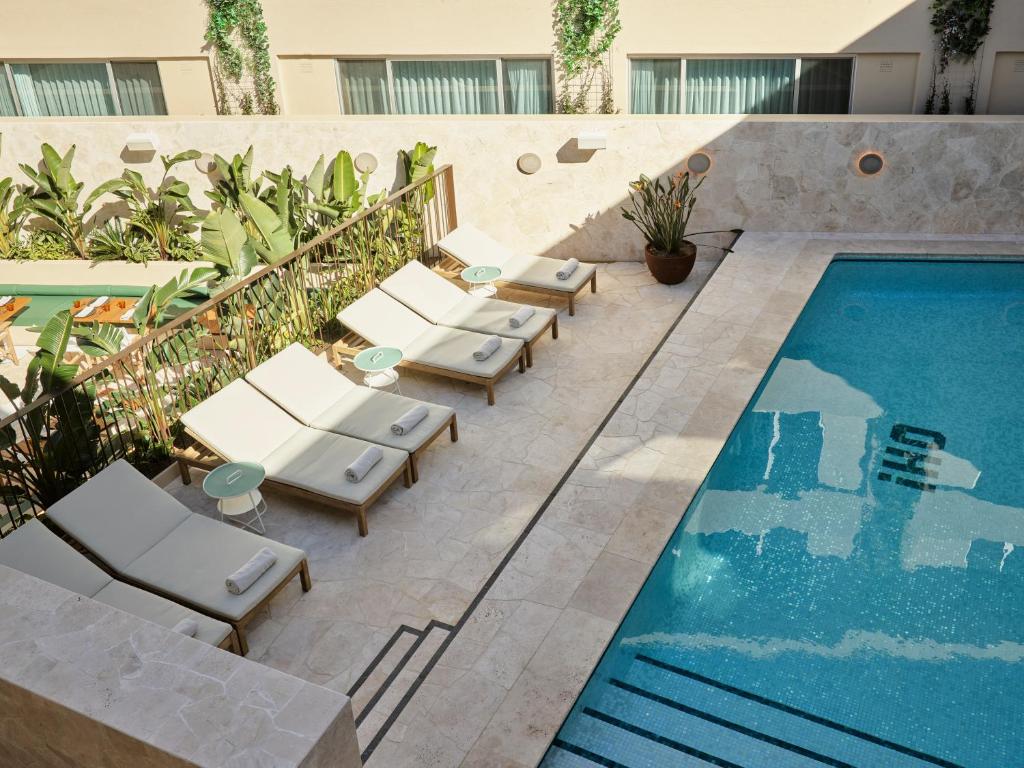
column 565, row 755
column 766, row 728
column 624, row 745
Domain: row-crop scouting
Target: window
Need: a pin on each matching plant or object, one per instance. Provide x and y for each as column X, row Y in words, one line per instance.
column 655, row 86
column 70, row 89
column 738, row 86
column 445, row 87
column 825, row 86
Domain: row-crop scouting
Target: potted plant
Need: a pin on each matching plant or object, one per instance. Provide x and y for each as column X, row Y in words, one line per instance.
column 661, row 211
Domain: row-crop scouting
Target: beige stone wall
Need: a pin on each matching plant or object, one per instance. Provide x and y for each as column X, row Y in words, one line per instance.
column 955, row 176
column 317, row 30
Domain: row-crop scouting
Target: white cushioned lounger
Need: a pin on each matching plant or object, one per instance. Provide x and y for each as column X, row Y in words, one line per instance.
column 385, row 321
column 35, row 550
column 149, row 538
column 319, row 396
column 444, row 303
column 239, row 423
column 474, row 248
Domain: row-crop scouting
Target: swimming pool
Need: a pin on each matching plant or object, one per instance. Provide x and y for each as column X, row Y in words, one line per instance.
column 847, row 586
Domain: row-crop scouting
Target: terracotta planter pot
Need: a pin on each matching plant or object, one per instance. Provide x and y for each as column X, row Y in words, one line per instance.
column 671, row 268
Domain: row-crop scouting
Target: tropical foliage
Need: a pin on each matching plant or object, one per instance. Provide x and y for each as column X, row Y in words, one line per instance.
column 584, row 33
column 244, row 82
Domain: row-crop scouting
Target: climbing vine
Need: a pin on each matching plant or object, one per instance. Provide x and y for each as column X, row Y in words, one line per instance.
column 584, row 33
column 960, row 28
column 244, row 17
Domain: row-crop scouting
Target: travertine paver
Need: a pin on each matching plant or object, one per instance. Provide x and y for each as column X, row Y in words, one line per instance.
column 584, row 561
column 433, row 546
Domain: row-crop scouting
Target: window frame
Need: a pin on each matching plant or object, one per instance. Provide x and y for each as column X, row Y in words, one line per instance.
column 111, row 82
column 797, row 59
column 499, row 63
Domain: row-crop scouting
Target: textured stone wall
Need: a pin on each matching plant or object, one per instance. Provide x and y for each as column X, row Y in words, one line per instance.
column 943, row 175
column 84, row 684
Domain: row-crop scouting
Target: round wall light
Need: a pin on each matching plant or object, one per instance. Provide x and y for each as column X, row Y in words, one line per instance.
column 365, row 162
column 528, row 163
column 870, row 164
column 698, row 163
column 205, row 163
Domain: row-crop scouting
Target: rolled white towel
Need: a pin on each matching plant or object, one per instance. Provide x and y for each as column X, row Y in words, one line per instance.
column 487, row 347
column 567, row 269
column 93, row 305
column 126, row 316
column 363, row 463
column 186, row 627
column 520, row 316
column 252, row 569
column 408, row 420
column 5, row 300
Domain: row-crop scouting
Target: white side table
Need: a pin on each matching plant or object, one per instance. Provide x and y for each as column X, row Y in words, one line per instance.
column 378, row 366
column 235, row 485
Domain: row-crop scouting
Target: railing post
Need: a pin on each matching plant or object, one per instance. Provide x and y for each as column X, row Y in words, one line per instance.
column 449, row 198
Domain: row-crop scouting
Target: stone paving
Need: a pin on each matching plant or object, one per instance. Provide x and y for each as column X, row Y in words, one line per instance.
column 494, row 693
column 432, row 547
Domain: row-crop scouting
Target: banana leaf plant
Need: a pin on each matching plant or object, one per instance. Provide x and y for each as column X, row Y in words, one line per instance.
column 225, row 242
column 12, row 215
column 54, row 198
column 334, row 193
column 48, row 452
column 233, row 178
column 418, row 164
column 158, row 303
column 165, row 213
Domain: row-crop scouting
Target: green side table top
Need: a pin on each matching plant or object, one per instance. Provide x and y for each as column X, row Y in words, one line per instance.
column 481, row 274
column 235, row 478
column 377, row 359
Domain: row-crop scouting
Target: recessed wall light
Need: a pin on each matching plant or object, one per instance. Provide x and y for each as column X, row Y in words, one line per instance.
column 698, row 163
column 365, row 162
column 528, row 163
column 870, row 163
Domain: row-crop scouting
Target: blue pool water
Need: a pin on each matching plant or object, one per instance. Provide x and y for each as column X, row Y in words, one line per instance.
column 847, row 586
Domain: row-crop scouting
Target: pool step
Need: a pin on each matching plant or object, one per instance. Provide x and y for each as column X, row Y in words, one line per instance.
column 660, row 715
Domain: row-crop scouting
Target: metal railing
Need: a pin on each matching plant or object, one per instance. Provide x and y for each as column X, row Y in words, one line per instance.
column 129, row 404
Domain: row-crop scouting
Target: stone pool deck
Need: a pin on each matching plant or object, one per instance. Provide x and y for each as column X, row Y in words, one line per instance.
column 466, row 623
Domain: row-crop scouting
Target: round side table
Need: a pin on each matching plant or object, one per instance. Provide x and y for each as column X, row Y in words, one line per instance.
column 378, row 366
column 235, row 485
column 482, row 279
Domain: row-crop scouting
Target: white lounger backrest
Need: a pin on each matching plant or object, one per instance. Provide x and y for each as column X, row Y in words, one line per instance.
column 32, row 549
column 474, row 248
column 423, row 290
column 240, row 424
column 383, row 321
column 300, row 382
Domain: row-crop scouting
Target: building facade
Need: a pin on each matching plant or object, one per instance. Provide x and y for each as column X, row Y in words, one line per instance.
column 327, row 57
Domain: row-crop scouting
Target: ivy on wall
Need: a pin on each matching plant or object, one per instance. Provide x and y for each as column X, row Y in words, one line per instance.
column 584, row 33
column 241, row 21
column 960, row 28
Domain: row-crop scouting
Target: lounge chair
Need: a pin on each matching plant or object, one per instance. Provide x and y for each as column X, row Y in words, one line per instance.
column 319, row 396
column 33, row 549
column 472, row 248
column 239, row 423
column 384, row 321
column 143, row 535
column 444, row 303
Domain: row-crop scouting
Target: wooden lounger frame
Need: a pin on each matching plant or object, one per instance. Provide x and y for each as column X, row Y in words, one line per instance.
column 553, row 325
column 452, row 268
column 352, row 343
column 451, row 424
column 196, row 454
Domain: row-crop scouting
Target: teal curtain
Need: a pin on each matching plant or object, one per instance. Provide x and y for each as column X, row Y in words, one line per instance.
column 364, row 87
column 739, row 86
column 7, row 106
column 825, row 86
column 445, row 87
column 527, row 86
column 138, row 88
column 654, row 86
column 63, row 89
